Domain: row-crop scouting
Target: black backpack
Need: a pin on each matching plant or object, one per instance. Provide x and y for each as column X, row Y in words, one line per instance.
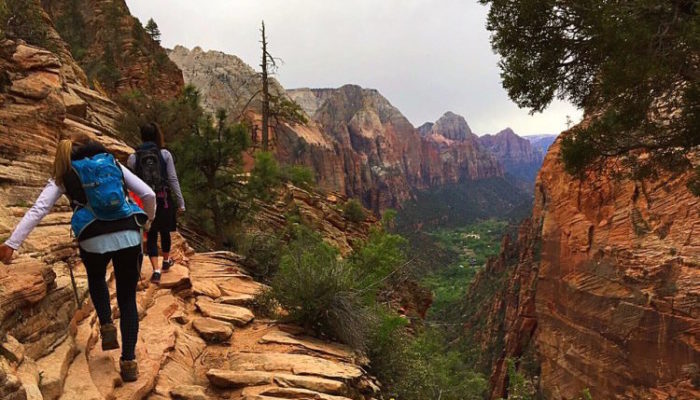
column 150, row 167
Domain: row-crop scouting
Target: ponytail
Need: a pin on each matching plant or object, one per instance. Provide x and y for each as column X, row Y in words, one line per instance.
column 61, row 164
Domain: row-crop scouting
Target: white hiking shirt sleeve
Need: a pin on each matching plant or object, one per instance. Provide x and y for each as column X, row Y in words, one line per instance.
column 42, row 206
column 172, row 178
column 52, row 192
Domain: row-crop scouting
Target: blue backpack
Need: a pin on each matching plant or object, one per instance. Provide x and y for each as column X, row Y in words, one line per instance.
column 103, row 182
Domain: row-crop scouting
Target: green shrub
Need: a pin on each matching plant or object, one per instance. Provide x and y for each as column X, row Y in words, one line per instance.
column 265, row 176
column 317, row 290
column 299, row 176
column 420, row 367
column 22, row 19
column 353, row 211
column 262, row 255
column 377, row 259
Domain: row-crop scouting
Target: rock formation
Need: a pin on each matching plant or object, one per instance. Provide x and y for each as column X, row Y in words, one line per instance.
column 518, row 156
column 358, row 144
column 602, row 286
column 113, row 47
column 198, row 337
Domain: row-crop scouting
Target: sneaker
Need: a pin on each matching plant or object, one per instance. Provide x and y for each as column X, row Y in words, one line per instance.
column 167, row 264
column 129, row 370
column 155, row 278
column 108, row 333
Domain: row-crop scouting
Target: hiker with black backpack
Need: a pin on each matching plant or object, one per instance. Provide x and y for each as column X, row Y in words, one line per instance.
column 107, row 226
column 154, row 165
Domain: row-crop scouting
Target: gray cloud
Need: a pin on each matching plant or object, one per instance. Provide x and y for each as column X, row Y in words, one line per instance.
column 426, row 57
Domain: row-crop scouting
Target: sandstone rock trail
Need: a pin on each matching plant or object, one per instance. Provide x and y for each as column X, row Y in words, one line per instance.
column 191, row 346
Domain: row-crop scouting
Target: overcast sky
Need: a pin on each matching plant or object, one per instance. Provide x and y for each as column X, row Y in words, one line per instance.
column 425, row 56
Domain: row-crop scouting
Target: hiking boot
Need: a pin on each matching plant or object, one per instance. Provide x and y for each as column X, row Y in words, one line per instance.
column 167, row 264
column 129, row 370
column 155, row 278
column 108, row 333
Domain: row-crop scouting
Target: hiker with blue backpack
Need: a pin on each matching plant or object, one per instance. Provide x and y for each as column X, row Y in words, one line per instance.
column 154, row 165
column 107, row 226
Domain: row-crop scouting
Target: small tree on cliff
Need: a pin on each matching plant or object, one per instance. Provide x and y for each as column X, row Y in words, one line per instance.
column 210, row 163
column 153, row 30
column 276, row 108
column 633, row 66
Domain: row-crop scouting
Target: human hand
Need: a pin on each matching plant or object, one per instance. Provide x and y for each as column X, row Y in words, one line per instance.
column 147, row 225
column 181, row 210
column 6, row 253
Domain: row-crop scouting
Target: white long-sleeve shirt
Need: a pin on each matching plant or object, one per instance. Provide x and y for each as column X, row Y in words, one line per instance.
column 52, row 192
column 172, row 175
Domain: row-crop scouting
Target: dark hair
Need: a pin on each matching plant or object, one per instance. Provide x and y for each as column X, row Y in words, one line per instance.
column 151, row 133
column 86, row 149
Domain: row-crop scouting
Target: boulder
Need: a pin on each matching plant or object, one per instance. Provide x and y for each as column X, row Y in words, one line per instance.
column 212, row 330
column 225, row 312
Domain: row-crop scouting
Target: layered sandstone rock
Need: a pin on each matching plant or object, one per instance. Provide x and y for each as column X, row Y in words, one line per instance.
column 608, row 272
column 113, row 47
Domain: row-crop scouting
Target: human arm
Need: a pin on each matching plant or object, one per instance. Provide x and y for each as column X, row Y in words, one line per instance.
column 42, row 206
column 141, row 189
column 172, row 179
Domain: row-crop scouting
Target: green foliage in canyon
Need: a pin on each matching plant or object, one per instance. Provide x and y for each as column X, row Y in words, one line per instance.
column 22, row 19
column 339, row 299
column 633, row 66
column 209, row 160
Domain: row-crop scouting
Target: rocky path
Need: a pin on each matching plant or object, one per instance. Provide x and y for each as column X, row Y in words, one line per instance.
column 198, row 340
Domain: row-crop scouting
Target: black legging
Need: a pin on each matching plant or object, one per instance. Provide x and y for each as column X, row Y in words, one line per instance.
column 152, row 240
column 127, row 266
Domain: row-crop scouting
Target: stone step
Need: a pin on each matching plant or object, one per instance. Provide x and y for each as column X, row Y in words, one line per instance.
column 273, row 392
column 78, row 383
column 234, row 314
column 212, row 330
column 297, row 364
column 53, row 369
column 227, row 379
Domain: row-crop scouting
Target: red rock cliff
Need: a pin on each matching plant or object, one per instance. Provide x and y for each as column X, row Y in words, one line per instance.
column 384, row 157
column 609, row 274
column 357, row 143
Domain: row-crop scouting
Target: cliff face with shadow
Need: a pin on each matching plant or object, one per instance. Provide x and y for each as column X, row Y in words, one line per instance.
column 601, row 288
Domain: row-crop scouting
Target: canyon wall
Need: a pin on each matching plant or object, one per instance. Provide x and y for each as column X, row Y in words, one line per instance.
column 113, row 48
column 357, row 143
column 601, row 288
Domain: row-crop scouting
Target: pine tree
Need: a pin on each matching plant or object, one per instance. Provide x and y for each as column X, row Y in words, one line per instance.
column 209, row 163
column 153, row 30
column 275, row 107
column 632, row 66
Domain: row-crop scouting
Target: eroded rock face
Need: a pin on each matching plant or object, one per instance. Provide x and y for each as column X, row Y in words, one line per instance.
column 603, row 287
column 113, row 47
column 618, row 297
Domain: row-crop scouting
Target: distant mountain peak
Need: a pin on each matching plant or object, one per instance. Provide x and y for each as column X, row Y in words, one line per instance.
column 452, row 126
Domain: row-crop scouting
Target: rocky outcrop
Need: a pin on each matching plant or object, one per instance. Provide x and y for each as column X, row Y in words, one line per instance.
column 358, row 144
column 518, row 157
column 610, row 281
column 113, row 47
